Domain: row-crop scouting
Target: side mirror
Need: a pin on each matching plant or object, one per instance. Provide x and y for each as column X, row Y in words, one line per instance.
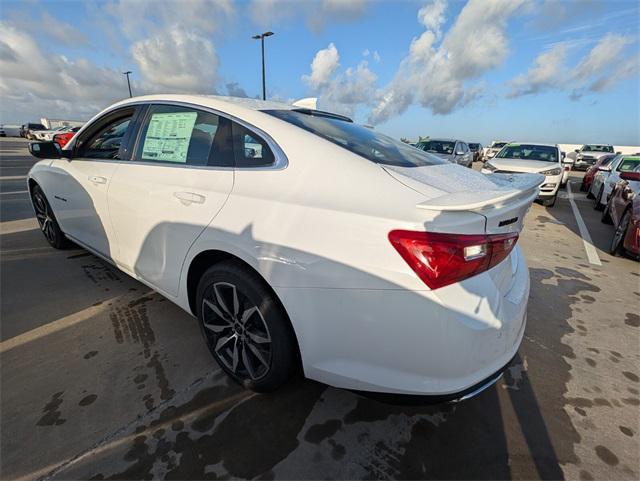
column 45, row 150
column 619, row 153
column 563, row 155
column 577, row 150
column 634, row 176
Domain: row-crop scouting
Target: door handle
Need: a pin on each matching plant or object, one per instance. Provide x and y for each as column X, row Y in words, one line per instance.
column 189, row 198
column 96, row 179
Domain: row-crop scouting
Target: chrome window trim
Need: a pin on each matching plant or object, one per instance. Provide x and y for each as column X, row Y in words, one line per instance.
column 281, row 161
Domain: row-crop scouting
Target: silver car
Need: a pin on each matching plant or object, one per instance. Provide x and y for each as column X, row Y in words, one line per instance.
column 455, row 151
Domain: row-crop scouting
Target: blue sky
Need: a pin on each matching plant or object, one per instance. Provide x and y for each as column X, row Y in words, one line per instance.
column 541, row 70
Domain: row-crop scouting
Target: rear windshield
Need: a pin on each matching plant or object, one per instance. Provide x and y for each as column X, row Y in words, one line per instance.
column 630, row 165
column 607, row 159
column 598, row 148
column 529, row 152
column 438, row 146
column 474, row 146
column 358, row 139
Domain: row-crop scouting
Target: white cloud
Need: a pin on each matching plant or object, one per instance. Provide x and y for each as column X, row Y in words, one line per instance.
column 340, row 92
column 547, row 71
column 177, row 60
column 436, row 73
column 432, row 15
column 324, row 64
column 35, row 82
column 602, row 67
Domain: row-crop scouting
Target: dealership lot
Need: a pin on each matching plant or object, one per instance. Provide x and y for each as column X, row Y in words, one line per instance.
column 100, row 377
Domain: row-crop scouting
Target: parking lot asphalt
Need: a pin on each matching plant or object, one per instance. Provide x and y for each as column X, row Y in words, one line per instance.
column 102, row 378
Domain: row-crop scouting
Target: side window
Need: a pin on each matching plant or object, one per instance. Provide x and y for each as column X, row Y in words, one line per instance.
column 251, row 150
column 180, row 135
column 106, row 143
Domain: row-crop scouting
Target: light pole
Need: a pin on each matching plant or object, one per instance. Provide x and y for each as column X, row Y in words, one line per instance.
column 261, row 37
column 128, row 83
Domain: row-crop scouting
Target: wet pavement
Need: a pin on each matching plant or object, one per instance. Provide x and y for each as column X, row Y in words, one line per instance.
column 102, row 378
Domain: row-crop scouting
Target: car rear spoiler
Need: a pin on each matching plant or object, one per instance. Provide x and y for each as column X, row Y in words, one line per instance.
column 484, row 199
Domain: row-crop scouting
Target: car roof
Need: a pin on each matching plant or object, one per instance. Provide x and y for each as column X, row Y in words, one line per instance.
column 540, row 144
column 443, row 140
column 230, row 105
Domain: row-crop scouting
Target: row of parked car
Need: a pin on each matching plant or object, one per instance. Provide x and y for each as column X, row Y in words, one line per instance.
column 613, row 182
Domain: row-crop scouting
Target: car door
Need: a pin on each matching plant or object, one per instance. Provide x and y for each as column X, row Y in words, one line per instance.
column 179, row 177
column 83, row 181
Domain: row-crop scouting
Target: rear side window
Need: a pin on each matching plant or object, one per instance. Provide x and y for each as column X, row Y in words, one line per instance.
column 180, row 135
column 360, row 140
column 251, row 150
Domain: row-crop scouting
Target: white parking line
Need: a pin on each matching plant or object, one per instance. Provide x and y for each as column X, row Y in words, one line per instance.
column 14, row 192
column 592, row 253
column 13, row 177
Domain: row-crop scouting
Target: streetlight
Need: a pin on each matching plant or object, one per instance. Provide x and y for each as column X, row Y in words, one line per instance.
column 128, row 83
column 261, row 38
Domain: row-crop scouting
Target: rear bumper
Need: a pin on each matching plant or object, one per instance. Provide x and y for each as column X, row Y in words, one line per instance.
column 447, row 343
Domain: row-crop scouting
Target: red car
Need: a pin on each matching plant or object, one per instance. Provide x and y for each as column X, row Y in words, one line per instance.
column 591, row 171
column 623, row 211
column 64, row 138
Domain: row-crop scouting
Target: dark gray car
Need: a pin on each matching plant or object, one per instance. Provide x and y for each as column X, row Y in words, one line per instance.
column 455, row 151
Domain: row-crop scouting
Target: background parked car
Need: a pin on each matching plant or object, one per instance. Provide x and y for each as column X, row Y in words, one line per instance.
column 603, row 161
column 478, row 153
column 623, row 211
column 27, row 130
column 587, row 155
column 455, row 151
column 606, row 178
column 63, row 138
column 493, row 149
column 48, row 134
column 545, row 159
column 2, row 132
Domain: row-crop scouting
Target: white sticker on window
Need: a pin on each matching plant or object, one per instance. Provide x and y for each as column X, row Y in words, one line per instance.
column 168, row 137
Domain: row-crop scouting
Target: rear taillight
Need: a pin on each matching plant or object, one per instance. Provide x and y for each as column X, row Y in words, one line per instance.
column 442, row 259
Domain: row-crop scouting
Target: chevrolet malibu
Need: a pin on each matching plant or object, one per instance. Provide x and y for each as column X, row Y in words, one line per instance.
column 540, row 158
column 300, row 240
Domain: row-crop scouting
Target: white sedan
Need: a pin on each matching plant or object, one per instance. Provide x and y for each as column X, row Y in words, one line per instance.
column 545, row 159
column 606, row 178
column 300, row 239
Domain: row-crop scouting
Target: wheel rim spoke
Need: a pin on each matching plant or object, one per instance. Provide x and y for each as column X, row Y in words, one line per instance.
column 247, row 314
column 222, row 303
column 247, row 363
column 259, row 356
column 258, row 339
column 217, row 311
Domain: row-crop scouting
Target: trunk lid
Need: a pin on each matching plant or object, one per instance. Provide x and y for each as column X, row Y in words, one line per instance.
column 502, row 199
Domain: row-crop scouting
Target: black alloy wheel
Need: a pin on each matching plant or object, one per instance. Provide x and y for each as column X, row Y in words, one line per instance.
column 47, row 220
column 246, row 329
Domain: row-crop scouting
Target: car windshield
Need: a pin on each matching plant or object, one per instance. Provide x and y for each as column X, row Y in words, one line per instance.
column 498, row 145
column 630, row 164
column 529, row 152
column 357, row 139
column 474, row 146
column 597, row 148
column 438, row 146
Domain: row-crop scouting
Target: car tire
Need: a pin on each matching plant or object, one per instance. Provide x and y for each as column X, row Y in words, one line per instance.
column 550, row 202
column 245, row 327
column 617, row 242
column 47, row 220
column 598, row 205
column 606, row 215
